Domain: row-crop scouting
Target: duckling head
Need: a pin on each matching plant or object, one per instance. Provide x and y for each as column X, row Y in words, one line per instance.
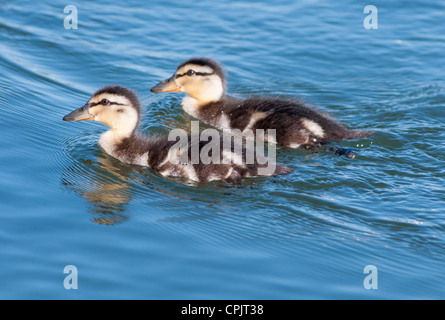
column 201, row 78
column 115, row 106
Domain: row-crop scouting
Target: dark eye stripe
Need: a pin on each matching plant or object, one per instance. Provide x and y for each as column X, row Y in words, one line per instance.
column 197, row 73
column 111, row 103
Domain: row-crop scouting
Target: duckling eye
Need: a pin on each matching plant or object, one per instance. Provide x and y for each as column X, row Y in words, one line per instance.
column 105, row 102
column 190, row 72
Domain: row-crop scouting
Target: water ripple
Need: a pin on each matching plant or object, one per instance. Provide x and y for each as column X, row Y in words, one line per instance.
column 281, row 237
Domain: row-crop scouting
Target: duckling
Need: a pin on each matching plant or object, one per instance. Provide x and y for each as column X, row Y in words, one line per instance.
column 118, row 108
column 295, row 123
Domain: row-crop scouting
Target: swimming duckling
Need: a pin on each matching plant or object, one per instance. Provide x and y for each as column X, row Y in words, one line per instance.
column 118, row 108
column 295, row 123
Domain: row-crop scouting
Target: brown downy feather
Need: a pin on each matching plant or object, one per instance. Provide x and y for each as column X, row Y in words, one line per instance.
column 285, row 116
column 130, row 149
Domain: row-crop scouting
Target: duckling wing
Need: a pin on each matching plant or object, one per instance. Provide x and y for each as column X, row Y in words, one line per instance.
column 294, row 122
column 212, row 160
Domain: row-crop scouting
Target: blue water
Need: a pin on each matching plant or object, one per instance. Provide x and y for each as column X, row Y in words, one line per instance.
column 307, row 235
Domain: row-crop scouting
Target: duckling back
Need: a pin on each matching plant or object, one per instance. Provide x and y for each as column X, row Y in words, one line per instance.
column 295, row 123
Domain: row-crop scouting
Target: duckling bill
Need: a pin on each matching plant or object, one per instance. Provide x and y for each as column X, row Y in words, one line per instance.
column 296, row 124
column 118, row 108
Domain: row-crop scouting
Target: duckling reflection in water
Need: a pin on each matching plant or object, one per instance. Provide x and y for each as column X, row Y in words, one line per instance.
column 109, row 187
column 106, row 189
column 296, row 124
column 118, row 108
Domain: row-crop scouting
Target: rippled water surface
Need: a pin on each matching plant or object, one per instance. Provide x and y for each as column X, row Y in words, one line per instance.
column 134, row 234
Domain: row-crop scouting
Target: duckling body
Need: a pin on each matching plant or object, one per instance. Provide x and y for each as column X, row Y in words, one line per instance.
column 118, row 107
column 164, row 156
column 295, row 123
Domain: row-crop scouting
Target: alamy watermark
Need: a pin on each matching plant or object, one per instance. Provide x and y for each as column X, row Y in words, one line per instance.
column 209, row 146
column 371, row 281
column 371, row 21
column 70, row 281
column 70, row 21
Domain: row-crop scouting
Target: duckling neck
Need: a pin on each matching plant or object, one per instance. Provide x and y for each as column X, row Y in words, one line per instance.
column 193, row 106
column 128, row 148
column 110, row 139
